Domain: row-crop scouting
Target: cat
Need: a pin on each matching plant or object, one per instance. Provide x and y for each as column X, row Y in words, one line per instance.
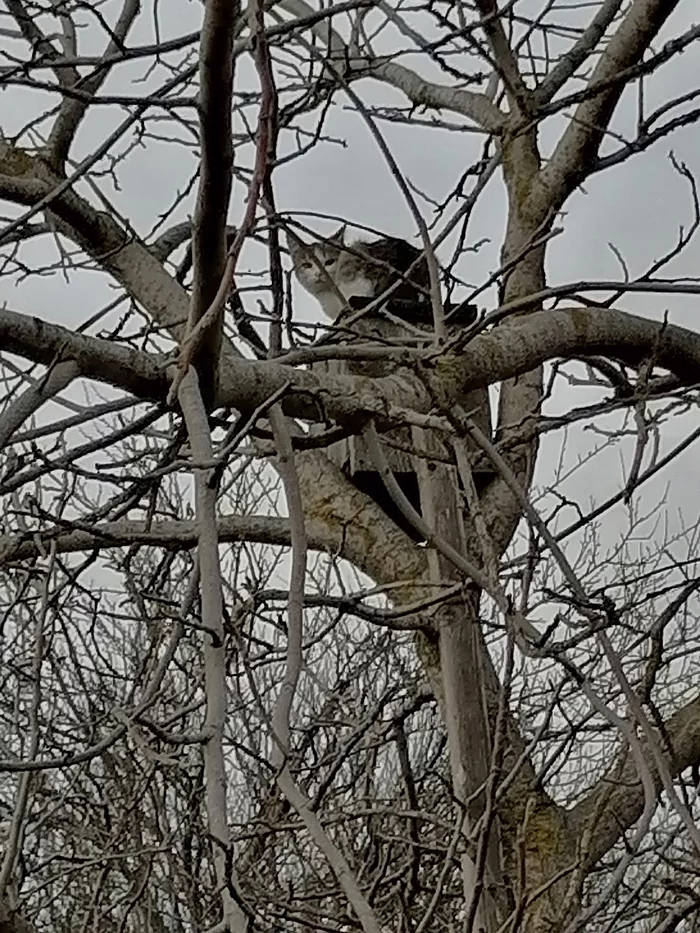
column 344, row 277
column 347, row 276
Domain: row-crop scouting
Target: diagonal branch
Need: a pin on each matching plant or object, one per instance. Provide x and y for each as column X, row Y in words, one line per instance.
column 670, row 50
column 40, row 391
column 422, row 93
column 170, row 240
column 570, row 62
column 622, row 791
column 475, row 106
column 66, row 75
column 25, row 179
column 72, row 110
column 335, row 858
column 579, row 145
column 506, row 62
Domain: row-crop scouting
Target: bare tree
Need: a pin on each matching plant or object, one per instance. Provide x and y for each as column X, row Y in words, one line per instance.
column 235, row 694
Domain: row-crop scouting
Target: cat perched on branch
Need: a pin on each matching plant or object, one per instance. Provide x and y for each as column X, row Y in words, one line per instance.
column 344, row 275
column 345, row 278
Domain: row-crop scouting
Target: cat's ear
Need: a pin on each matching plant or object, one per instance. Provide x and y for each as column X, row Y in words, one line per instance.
column 297, row 248
column 338, row 238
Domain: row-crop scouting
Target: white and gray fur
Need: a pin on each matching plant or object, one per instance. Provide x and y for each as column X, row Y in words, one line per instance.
column 335, row 272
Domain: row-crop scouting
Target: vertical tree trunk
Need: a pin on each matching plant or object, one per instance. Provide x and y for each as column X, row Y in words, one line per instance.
column 461, row 653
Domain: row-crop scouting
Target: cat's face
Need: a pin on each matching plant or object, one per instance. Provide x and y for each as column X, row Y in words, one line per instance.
column 331, row 273
column 317, row 265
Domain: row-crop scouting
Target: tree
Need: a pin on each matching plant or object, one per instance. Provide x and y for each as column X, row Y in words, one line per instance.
column 222, row 712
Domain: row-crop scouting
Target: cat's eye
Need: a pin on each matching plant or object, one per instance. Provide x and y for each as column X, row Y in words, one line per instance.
column 305, row 265
column 329, row 262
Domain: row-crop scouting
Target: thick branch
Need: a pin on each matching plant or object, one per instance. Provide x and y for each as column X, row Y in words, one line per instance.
column 65, row 75
column 26, row 179
column 621, row 789
column 506, row 61
column 570, row 62
column 175, row 535
column 475, row 106
column 571, row 333
column 40, row 391
column 509, row 350
column 579, row 145
column 209, row 227
column 73, row 110
column 141, row 374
